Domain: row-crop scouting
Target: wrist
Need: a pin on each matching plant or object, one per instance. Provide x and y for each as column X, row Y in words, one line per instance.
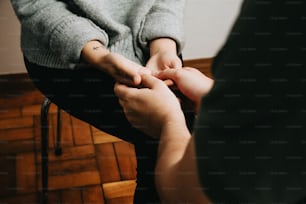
column 173, row 136
column 161, row 45
column 174, row 123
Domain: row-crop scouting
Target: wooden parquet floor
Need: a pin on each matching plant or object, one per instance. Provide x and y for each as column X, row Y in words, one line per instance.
column 94, row 168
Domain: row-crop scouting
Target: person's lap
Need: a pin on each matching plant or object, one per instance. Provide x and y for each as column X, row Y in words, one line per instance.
column 88, row 94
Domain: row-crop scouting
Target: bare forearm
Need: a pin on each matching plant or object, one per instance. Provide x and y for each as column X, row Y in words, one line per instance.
column 93, row 52
column 173, row 142
column 161, row 45
column 176, row 171
column 120, row 68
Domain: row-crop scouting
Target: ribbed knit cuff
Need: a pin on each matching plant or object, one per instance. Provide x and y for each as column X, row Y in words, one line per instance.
column 69, row 38
column 158, row 26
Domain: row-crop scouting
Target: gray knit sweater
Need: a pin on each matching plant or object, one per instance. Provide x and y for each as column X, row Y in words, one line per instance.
column 53, row 32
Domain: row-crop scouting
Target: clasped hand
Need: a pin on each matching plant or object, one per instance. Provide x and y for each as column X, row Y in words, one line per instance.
column 154, row 106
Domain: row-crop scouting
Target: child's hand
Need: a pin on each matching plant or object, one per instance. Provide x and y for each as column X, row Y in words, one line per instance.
column 120, row 68
column 163, row 54
column 163, row 60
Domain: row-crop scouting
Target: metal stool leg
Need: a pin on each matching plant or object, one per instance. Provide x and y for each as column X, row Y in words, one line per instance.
column 44, row 149
column 44, row 145
column 58, row 147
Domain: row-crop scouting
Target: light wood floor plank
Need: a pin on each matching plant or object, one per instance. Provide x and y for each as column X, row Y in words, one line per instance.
column 9, row 112
column 93, row 195
column 66, row 129
column 90, row 159
column 73, row 180
column 16, row 134
column 126, row 160
column 107, row 163
column 119, row 189
column 81, row 132
column 26, row 173
column 21, row 122
column 71, row 196
column 69, row 153
column 7, row 176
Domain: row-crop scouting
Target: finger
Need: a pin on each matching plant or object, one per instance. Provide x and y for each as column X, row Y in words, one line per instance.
column 122, row 104
column 167, row 74
column 149, row 81
column 169, row 82
column 136, row 80
column 132, row 73
column 121, row 91
column 141, row 71
column 172, row 86
column 129, row 82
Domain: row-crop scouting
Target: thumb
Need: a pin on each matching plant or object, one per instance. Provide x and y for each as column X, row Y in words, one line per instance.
column 168, row 74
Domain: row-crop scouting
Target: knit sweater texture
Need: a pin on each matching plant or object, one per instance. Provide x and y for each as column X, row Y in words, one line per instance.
column 53, row 32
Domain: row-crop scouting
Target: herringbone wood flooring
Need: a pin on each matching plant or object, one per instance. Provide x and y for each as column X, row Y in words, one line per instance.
column 94, row 168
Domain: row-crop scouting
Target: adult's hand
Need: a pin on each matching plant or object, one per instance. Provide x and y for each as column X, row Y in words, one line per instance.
column 150, row 108
column 190, row 82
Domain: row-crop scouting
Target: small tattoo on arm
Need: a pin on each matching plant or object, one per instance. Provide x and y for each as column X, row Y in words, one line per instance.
column 97, row 47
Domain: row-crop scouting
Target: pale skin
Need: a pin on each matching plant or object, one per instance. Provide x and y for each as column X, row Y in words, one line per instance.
column 163, row 55
column 187, row 81
column 156, row 111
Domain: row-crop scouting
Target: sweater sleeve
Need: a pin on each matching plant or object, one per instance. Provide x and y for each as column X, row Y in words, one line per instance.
column 53, row 24
column 165, row 19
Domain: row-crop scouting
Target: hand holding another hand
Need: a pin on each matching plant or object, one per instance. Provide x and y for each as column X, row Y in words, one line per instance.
column 163, row 60
column 150, row 108
column 154, row 106
column 122, row 69
column 190, row 82
column 163, row 55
